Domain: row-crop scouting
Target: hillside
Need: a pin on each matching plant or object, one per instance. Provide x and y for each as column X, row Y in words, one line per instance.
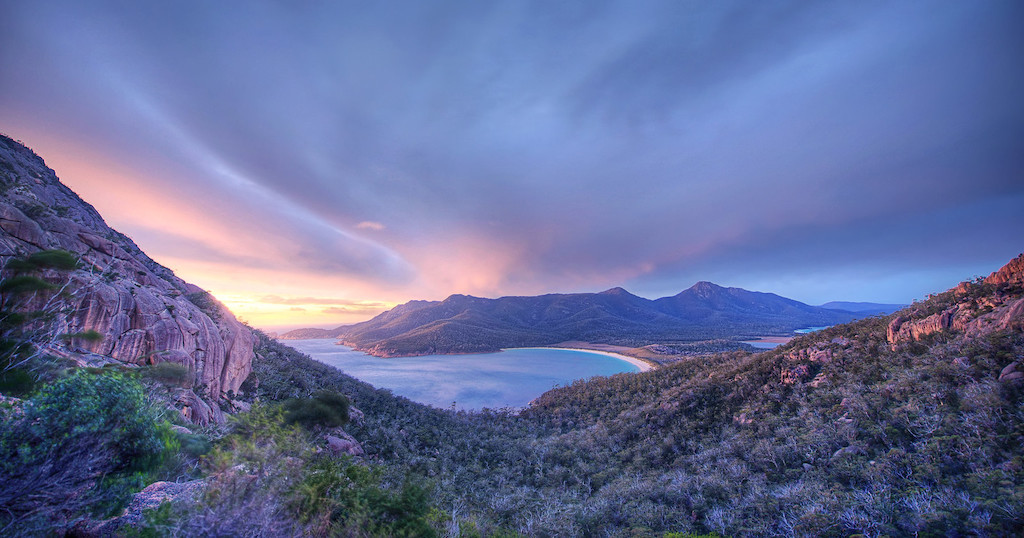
column 466, row 324
column 903, row 425
column 142, row 312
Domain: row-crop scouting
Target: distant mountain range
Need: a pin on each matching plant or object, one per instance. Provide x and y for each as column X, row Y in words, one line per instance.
column 867, row 309
column 466, row 324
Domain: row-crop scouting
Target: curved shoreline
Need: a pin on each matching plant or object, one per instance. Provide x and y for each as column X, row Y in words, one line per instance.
column 643, row 365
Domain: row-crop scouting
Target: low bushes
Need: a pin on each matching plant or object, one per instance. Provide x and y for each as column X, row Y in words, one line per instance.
column 82, row 443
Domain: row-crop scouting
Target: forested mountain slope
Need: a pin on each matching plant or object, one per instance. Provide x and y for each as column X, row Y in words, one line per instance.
column 466, row 324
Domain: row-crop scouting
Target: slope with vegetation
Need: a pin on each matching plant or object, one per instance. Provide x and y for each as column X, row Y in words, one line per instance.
column 856, row 429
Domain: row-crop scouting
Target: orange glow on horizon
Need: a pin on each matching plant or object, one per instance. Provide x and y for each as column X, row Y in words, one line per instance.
column 255, row 275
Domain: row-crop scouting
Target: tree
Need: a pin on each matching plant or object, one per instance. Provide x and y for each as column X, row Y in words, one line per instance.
column 34, row 292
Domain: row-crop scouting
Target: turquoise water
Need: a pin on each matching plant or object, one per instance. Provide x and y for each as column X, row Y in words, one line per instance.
column 510, row 378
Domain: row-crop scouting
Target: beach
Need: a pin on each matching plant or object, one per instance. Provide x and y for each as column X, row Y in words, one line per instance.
column 639, row 363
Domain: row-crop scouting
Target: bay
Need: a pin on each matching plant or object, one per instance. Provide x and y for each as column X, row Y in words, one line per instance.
column 509, row 378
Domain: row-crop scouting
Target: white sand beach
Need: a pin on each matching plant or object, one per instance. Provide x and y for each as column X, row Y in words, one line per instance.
column 643, row 365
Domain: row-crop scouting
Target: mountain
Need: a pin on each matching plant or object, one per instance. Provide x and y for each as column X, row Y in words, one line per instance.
column 142, row 312
column 466, row 324
column 303, row 334
column 867, row 309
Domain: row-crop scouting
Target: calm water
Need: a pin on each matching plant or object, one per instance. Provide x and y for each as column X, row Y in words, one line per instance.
column 507, row 379
column 761, row 344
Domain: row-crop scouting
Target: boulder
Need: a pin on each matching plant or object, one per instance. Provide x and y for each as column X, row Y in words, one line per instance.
column 852, row 450
column 340, row 442
column 1011, row 373
column 196, row 410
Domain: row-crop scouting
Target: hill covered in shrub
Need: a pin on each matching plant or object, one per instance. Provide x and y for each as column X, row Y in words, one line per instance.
column 893, row 425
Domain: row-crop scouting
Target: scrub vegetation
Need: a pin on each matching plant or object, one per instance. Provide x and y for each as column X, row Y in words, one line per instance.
column 837, row 433
column 877, row 442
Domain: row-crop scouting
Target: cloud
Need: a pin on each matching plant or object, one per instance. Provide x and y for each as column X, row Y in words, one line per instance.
column 296, row 309
column 276, row 299
column 353, row 309
column 514, row 150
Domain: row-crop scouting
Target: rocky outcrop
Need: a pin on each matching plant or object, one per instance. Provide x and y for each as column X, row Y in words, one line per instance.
column 144, row 313
column 977, row 310
column 903, row 329
column 1011, row 273
column 150, row 498
column 1008, row 314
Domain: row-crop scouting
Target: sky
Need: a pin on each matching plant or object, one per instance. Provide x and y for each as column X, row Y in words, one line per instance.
column 312, row 163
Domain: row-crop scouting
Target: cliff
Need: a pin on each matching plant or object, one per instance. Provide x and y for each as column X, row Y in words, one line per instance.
column 144, row 313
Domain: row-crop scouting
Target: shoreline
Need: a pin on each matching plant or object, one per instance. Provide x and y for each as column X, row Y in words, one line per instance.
column 639, row 363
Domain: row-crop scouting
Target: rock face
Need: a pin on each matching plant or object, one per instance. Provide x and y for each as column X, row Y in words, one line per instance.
column 144, row 313
column 902, row 329
column 978, row 311
column 1011, row 273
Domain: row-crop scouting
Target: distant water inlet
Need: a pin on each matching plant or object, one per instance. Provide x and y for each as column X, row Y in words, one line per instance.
column 510, row 378
column 772, row 342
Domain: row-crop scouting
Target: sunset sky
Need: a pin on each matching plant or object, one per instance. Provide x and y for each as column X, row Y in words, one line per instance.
column 312, row 163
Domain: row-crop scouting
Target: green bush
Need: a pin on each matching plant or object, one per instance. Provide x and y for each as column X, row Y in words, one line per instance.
column 325, row 409
column 60, row 260
column 109, row 406
column 170, row 373
column 346, row 498
column 83, row 442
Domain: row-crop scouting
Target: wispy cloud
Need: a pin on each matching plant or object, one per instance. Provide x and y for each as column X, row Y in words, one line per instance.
column 514, row 149
column 276, row 299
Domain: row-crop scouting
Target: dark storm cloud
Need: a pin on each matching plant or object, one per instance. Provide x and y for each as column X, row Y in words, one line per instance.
column 602, row 142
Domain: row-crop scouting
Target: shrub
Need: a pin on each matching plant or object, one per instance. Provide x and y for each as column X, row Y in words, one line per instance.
column 170, row 373
column 326, row 409
column 67, row 437
column 347, row 499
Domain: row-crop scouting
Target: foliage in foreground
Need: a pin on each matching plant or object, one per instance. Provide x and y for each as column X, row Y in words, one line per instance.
column 32, row 293
column 80, row 445
column 271, row 478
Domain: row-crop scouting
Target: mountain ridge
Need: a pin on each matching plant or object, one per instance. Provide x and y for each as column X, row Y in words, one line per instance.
column 467, row 324
column 142, row 312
